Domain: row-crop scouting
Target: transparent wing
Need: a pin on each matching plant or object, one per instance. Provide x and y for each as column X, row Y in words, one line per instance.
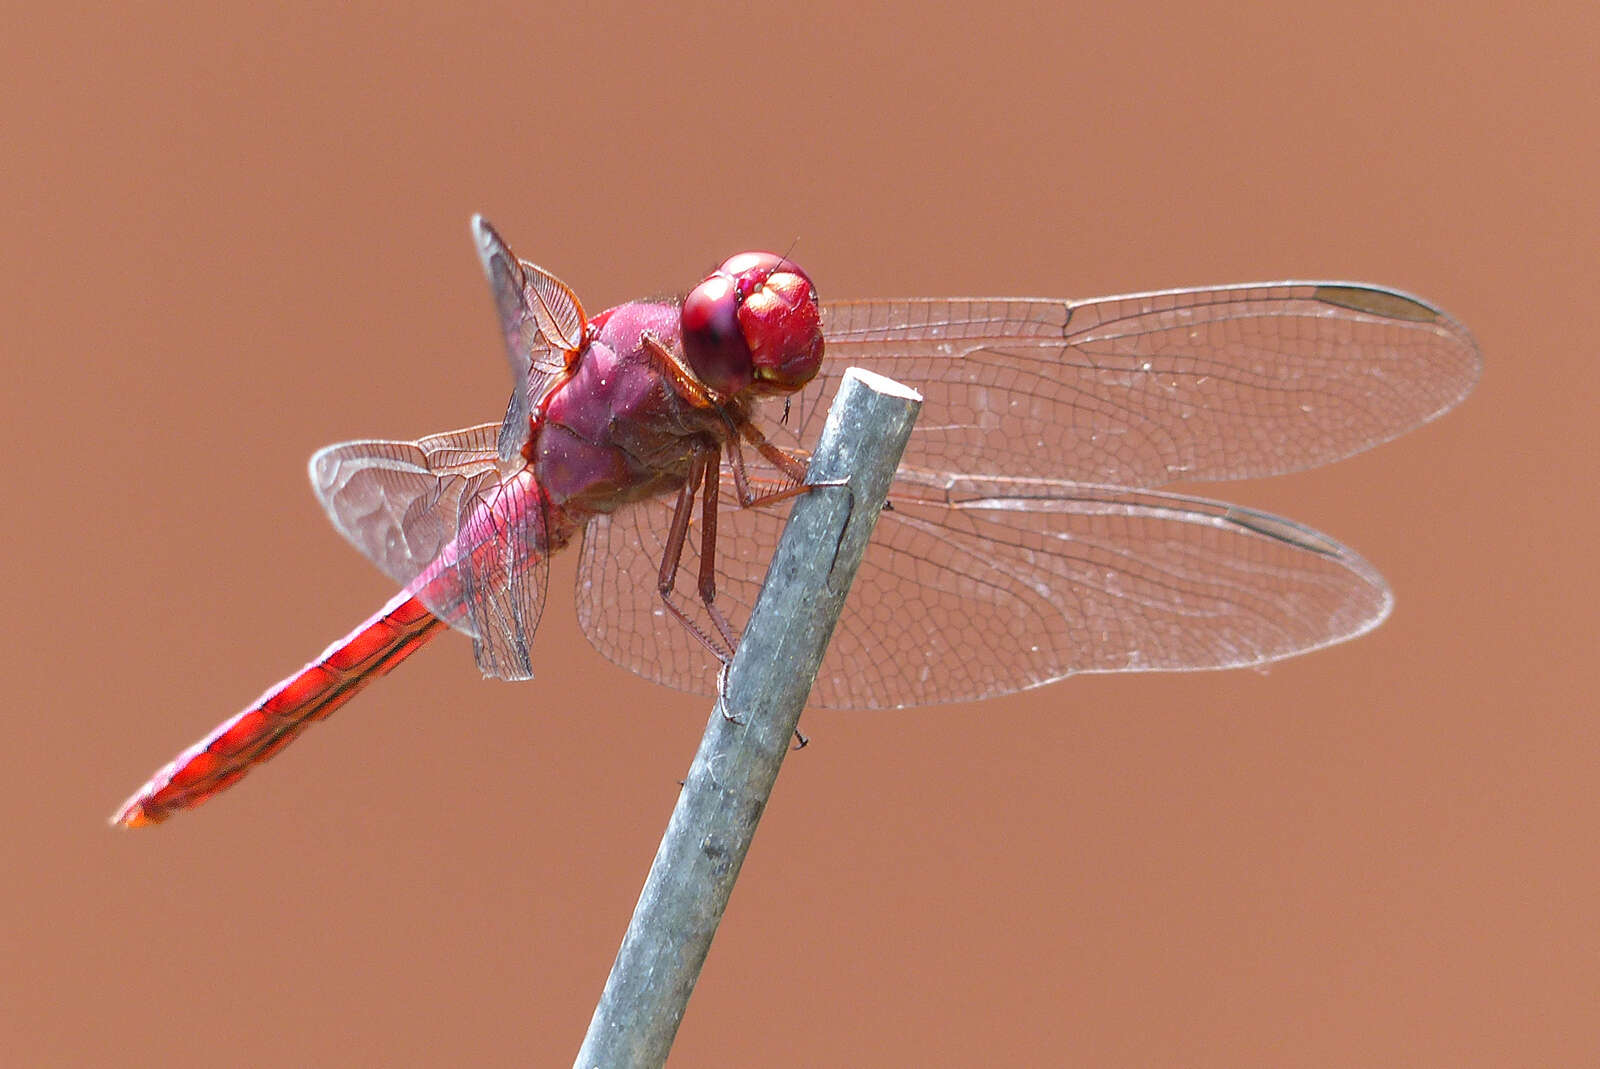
column 1219, row 383
column 399, row 503
column 983, row 586
column 437, row 516
column 492, row 579
column 543, row 323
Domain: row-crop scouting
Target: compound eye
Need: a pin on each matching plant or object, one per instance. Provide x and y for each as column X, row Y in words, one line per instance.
column 782, row 325
column 713, row 340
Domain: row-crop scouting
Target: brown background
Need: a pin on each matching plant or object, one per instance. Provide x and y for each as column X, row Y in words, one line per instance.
column 231, row 239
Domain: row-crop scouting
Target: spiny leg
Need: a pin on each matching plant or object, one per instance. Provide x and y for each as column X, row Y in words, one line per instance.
column 672, row 555
column 697, row 393
column 792, row 466
column 705, row 478
column 708, row 559
column 706, row 585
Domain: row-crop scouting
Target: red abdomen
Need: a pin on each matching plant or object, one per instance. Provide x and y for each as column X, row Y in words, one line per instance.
column 398, row 629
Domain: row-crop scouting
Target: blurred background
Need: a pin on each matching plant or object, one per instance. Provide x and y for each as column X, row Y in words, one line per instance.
column 233, row 236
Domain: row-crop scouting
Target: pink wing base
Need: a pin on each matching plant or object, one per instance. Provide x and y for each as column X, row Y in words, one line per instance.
column 275, row 719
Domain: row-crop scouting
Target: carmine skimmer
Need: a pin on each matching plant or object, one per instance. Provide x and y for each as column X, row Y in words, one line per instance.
column 1027, row 538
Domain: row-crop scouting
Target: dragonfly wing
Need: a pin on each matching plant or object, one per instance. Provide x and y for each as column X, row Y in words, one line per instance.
column 983, row 586
column 1142, row 390
column 437, row 516
column 621, row 612
column 543, row 324
column 1016, row 583
column 399, row 502
column 492, row 580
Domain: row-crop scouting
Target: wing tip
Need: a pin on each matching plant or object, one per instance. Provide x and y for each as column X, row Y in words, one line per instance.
column 1388, row 303
column 491, row 246
column 1378, row 300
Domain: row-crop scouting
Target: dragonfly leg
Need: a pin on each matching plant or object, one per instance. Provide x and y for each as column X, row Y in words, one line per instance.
column 791, row 470
column 706, row 584
column 672, row 555
column 680, row 375
column 708, row 571
column 793, row 466
column 707, row 473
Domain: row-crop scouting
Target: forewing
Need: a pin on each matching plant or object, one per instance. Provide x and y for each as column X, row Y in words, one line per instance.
column 543, row 325
column 1180, row 385
column 996, row 585
column 438, row 517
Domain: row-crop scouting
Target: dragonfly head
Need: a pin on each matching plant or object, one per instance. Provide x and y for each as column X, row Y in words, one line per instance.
column 753, row 324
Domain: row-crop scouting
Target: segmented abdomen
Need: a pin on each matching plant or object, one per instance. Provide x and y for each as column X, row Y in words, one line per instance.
column 398, row 630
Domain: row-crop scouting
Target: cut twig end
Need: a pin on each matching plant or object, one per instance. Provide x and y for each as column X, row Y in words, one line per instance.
column 882, row 384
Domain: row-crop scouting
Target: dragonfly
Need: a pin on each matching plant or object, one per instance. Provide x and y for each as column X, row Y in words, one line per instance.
column 1028, row 536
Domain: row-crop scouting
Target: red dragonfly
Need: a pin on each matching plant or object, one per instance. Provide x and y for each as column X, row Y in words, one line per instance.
column 1025, row 542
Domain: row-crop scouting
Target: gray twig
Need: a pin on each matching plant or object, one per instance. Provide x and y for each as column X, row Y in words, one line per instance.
column 733, row 772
